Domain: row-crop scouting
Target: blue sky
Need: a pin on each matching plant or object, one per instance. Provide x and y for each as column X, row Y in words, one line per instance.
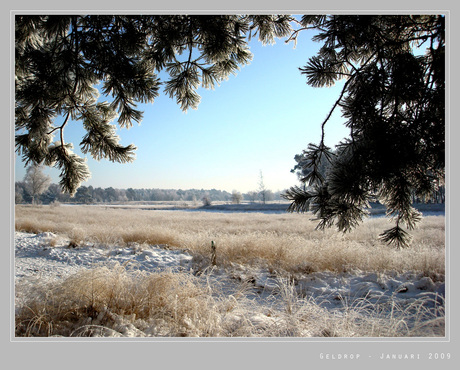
column 255, row 121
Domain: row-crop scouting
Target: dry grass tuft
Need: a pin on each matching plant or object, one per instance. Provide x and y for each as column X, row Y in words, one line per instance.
column 103, row 301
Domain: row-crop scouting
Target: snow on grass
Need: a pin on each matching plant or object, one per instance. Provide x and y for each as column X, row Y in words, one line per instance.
column 50, row 256
column 149, row 290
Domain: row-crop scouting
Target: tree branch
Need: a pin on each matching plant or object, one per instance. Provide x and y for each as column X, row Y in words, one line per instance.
column 61, row 128
column 295, row 34
column 323, row 125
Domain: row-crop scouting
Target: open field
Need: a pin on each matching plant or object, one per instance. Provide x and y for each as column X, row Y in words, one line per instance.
column 277, row 206
column 275, row 241
column 275, row 275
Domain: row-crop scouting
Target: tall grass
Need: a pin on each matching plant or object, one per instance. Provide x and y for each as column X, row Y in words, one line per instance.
column 117, row 302
column 278, row 242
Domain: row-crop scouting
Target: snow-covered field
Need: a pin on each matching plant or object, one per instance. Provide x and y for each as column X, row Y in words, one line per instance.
column 49, row 258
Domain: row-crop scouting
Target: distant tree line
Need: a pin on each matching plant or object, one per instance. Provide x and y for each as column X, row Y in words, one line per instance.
column 91, row 195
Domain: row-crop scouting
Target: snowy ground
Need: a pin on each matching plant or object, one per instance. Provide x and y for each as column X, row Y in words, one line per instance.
column 49, row 257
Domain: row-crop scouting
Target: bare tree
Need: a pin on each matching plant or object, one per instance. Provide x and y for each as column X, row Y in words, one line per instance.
column 236, row 197
column 269, row 196
column 206, row 200
column 262, row 189
column 252, row 195
column 36, row 182
column 18, row 194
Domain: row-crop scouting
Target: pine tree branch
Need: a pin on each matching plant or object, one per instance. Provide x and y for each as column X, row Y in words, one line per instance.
column 300, row 199
column 397, row 236
column 294, row 35
column 323, row 125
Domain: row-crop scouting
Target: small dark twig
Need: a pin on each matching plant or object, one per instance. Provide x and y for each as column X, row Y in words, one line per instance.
column 213, row 253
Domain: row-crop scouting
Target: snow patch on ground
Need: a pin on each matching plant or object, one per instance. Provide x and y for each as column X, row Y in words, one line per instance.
column 334, row 290
column 50, row 256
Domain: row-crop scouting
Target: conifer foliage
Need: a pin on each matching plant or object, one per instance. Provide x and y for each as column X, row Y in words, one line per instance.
column 64, row 63
column 393, row 101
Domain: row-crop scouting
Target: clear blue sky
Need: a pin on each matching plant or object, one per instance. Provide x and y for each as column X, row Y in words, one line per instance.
column 255, row 121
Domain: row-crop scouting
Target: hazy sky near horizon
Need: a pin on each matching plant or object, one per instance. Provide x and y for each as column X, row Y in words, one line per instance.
column 255, row 121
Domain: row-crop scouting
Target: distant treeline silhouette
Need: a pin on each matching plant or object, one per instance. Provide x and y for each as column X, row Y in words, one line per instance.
column 90, row 195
